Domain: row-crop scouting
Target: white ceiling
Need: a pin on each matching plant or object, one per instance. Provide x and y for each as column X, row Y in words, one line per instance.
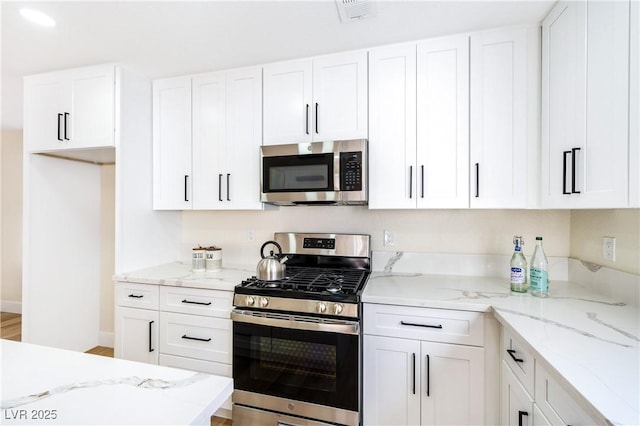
column 169, row 38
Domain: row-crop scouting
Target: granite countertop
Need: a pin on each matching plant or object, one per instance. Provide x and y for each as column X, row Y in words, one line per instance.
column 589, row 340
column 43, row 385
column 180, row 274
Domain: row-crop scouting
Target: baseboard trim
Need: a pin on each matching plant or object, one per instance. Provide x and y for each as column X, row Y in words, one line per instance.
column 11, row 306
column 106, row 339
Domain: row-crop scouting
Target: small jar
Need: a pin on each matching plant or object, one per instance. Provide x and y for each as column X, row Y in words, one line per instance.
column 213, row 256
column 198, row 259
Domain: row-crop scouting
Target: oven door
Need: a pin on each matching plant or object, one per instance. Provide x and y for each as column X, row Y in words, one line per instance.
column 314, row 360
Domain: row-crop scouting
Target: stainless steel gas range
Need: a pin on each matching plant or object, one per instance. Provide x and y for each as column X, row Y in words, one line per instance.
column 297, row 341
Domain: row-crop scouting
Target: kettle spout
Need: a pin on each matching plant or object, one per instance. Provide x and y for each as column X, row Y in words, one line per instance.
column 284, row 259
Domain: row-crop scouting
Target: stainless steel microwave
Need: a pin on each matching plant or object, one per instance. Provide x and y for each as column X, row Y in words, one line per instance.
column 330, row 172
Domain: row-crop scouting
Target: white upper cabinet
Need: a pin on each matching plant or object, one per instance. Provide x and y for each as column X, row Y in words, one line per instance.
column 207, row 135
column 240, row 164
column 73, row 109
column 442, row 167
column 172, row 178
column 418, row 130
column 504, row 118
column 392, row 127
column 585, row 105
column 318, row 99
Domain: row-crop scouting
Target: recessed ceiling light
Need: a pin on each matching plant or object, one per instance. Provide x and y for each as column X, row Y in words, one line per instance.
column 38, row 17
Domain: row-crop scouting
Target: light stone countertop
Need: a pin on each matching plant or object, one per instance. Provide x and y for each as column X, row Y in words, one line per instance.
column 591, row 341
column 179, row 274
column 44, row 386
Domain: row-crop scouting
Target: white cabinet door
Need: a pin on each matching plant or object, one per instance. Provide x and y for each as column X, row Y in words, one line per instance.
column 172, row 178
column 46, row 97
column 92, row 114
column 516, row 404
column 136, row 334
column 208, row 139
column 504, row 118
column 452, row 379
column 340, row 97
column 287, row 102
column 585, row 92
column 391, row 375
column 442, row 168
column 392, row 127
column 241, row 162
column 72, row 109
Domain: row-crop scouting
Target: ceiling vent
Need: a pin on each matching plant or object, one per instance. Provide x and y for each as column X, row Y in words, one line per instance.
column 353, row 10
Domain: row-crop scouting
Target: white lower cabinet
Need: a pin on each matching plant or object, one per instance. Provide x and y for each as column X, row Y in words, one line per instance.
column 412, row 381
column 179, row 327
column 531, row 395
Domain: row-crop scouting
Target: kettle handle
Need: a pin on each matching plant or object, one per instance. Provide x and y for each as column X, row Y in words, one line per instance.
column 266, row 244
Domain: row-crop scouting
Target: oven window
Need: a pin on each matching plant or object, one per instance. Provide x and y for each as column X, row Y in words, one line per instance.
column 298, row 173
column 283, row 178
column 312, row 366
column 294, row 363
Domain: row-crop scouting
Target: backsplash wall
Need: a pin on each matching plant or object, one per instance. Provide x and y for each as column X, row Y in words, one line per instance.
column 434, row 231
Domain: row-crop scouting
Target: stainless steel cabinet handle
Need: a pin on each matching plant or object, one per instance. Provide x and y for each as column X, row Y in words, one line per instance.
column 422, row 181
column 306, row 125
column 413, row 324
column 186, row 185
column 317, row 118
column 228, row 176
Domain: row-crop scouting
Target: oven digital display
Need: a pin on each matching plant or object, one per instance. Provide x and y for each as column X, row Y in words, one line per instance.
column 319, row 243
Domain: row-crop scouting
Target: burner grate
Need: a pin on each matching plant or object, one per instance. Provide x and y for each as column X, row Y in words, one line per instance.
column 316, row 280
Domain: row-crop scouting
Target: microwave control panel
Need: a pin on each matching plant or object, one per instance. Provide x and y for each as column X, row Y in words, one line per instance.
column 351, row 171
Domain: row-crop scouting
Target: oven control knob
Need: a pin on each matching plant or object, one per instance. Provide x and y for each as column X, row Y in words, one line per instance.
column 264, row 302
column 322, row 307
column 337, row 308
column 250, row 301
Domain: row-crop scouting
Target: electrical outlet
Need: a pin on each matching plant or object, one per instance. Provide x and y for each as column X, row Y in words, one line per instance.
column 609, row 248
column 251, row 235
column 389, row 238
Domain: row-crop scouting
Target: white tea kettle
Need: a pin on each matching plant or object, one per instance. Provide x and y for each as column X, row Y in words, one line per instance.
column 272, row 267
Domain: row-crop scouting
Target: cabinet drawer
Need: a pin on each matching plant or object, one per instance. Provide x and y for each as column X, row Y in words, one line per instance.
column 439, row 325
column 198, row 337
column 556, row 403
column 519, row 358
column 196, row 301
column 133, row 295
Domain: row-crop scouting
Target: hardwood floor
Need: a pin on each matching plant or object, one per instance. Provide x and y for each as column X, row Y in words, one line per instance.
column 11, row 329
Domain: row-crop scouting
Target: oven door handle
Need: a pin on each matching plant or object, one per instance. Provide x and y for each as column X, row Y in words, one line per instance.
column 297, row 322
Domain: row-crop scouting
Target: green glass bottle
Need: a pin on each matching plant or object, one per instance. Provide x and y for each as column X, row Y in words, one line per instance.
column 539, row 272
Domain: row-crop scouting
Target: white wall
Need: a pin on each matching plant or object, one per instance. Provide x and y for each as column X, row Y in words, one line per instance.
column 107, row 252
column 589, row 226
column 11, row 221
column 435, row 231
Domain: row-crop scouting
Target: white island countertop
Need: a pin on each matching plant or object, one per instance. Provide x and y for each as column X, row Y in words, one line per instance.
column 591, row 341
column 180, row 274
column 43, row 385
